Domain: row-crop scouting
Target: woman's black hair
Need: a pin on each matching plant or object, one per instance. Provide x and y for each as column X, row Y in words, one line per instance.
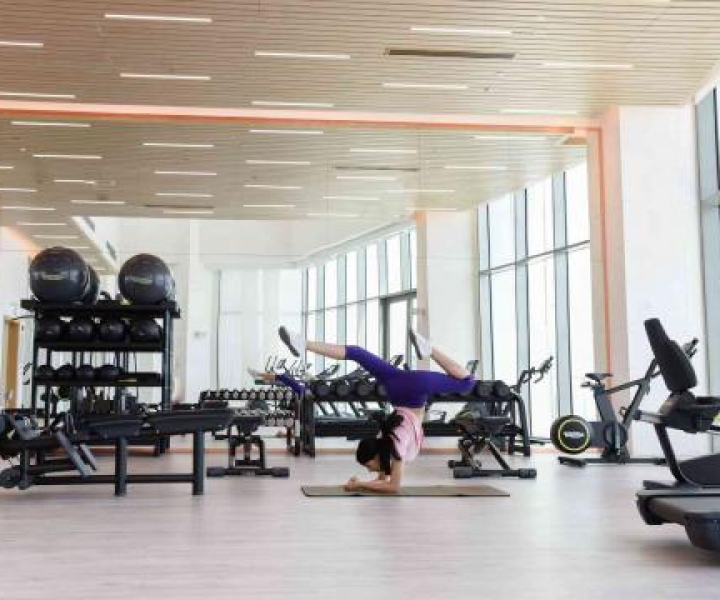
column 383, row 447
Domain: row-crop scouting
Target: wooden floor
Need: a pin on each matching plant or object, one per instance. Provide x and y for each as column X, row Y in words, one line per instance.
column 569, row 534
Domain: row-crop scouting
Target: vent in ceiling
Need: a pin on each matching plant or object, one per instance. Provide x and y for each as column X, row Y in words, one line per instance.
column 428, row 53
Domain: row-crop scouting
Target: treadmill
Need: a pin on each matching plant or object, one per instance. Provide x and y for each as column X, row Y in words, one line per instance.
column 693, row 500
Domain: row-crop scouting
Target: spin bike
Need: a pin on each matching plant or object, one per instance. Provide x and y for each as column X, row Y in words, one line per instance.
column 572, row 434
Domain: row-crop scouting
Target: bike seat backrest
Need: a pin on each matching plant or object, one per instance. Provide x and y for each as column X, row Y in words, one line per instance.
column 598, row 377
column 675, row 366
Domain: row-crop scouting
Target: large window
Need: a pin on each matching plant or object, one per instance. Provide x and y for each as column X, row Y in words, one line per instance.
column 342, row 295
column 535, row 292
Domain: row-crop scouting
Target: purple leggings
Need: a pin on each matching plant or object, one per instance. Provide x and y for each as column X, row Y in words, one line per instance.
column 293, row 384
column 408, row 389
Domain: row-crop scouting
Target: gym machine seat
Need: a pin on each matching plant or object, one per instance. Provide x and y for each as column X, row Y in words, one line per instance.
column 693, row 501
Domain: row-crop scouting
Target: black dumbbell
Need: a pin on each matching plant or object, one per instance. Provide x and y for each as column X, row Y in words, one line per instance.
column 342, row 387
column 85, row 373
column 44, row 373
column 65, row 373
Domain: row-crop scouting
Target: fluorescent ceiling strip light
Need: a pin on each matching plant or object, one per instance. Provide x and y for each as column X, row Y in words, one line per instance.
column 6, row 167
column 538, row 111
column 163, row 18
column 37, row 208
column 588, row 65
column 184, row 195
column 296, row 104
column 425, row 86
column 188, row 173
column 352, row 198
column 299, row 163
column 510, row 138
column 80, row 181
column 18, row 190
column 19, row 44
column 475, row 168
column 111, row 202
column 289, row 131
column 70, row 156
column 463, row 31
column 55, row 237
column 367, row 177
column 176, row 145
column 269, row 205
column 49, row 124
column 332, row 215
column 89, row 259
column 420, row 191
column 433, row 208
column 269, row 186
column 309, row 55
column 38, row 95
column 167, row 76
column 383, row 150
column 27, row 224
column 189, row 211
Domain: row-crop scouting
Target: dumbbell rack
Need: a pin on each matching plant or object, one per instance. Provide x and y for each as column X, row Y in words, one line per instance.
column 167, row 312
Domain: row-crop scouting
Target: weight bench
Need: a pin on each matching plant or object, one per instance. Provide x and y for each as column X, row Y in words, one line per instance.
column 479, row 432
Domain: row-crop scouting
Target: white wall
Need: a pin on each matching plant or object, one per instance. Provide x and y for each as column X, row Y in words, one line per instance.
column 653, row 252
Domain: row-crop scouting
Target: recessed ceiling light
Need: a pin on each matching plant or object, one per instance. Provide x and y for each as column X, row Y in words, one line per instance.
column 510, row 138
column 420, row 191
column 176, row 145
column 113, row 202
column 538, row 111
column 188, row 211
column 169, row 76
column 38, row 95
column 18, row 190
column 367, row 177
column 70, row 156
column 6, row 167
column 588, row 65
column 269, row 205
column 166, row 18
column 49, row 124
column 289, row 131
column 332, row 215
column 80, row 181
column 19, row 44
column 383, row 150
column 463, row 31
column 184, row 195
column 296, row 104
column 299, row 163
column 270, row 186
column 352, row 198
column 188, row 173
column 475, row 168
column 26, row 224
column 36, row 208
column 310, row 55
column 55, row 237
column 425, row 86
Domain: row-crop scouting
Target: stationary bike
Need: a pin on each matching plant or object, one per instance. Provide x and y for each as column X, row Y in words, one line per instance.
column 572, row 434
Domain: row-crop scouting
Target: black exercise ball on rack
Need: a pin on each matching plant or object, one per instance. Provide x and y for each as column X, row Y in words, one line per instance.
column 65, row 373
column 92, row 290
column 44, row 373
column 58, row 276
column 49, row 329
column 85, row 373
column 145, row 330
column 112, row 329
column 146, row 279
column 80, row 329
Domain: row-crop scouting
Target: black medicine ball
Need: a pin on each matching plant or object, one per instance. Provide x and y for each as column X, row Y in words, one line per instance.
column 146, row 279
column 145, row 330
column 112, row 330
column 49, row 329
column 85, row 373
column 58, row 275
column 44, row 373
column 80, row 329
column 108, row 373
column 65, row 373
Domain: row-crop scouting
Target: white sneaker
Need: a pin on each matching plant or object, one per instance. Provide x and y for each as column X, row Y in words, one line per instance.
column 423, row 347
column 294, row 341
column 255, row 374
